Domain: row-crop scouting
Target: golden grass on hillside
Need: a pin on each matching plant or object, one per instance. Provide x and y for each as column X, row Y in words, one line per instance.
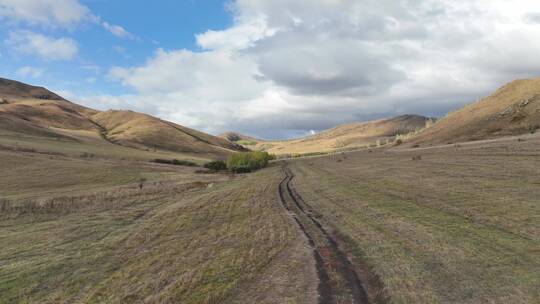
column 512, row 110
column 143, row 131
column 89, row 144
column 30, row 111
column 343, row 137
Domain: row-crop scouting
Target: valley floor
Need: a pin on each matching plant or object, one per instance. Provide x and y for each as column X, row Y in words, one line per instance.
column 183, row 238
column 459, row 224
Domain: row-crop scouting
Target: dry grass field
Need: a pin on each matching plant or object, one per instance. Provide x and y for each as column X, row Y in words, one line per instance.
column 36, row 175
column 458, row 224
column 183, row 238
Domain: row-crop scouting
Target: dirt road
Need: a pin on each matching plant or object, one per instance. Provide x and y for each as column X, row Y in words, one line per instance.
column 338, row 281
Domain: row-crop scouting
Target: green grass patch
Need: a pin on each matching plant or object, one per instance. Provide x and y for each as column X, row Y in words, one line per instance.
column 245, row 142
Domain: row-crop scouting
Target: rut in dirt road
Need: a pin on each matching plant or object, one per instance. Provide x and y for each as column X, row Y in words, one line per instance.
column 338, row 281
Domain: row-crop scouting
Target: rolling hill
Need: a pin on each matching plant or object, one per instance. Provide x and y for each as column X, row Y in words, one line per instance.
column 514, row 109
column 27, row 110
column 144, row 131
column 346, row 136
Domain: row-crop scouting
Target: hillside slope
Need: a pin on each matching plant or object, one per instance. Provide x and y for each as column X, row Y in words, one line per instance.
column 347, row 136
column 18, row 90
column 144, row 131
column 37, row 111
column 512, row 110
column 27, row 110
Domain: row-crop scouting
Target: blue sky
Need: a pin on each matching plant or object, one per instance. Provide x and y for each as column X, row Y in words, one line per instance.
column 168, row 24
column 270, row 68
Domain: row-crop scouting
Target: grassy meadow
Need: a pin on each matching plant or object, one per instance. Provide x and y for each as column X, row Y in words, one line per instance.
column 455, row 225
column 178, row 240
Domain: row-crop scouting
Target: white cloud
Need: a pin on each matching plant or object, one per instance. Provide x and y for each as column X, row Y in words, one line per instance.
column 29, row 71
column 286, row 67
column 239, row 37
column 118, row 31
column 48, row 48
column 56, row 13
column 204, row 76
column 45, row 12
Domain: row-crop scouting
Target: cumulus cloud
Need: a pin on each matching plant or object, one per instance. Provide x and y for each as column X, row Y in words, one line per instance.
column 45, row 12
column 56, row 13
column 45, row 47
column 287, row 67
column 29, row 71
column 242, row 36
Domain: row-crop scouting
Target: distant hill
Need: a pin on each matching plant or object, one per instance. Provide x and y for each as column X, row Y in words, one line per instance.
column 144, row 131
column 35, row 111
column 513, row 109
column 347, row 136
column 18, row 90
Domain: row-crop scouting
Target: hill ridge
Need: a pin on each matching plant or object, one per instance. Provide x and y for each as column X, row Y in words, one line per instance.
column 512, row 109
column 36, row 111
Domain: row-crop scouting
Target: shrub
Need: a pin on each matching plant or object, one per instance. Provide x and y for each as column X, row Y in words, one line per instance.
column 233, row 137
column 216, row 165
column 175, row 162
column 141, row 182
column 87, row 155
column 244, row 162
column 399, row 142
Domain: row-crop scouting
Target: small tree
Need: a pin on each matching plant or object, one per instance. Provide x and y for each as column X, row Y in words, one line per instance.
column 248, row 161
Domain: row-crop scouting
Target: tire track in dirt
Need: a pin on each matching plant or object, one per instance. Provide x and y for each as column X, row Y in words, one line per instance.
column 338, row 280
